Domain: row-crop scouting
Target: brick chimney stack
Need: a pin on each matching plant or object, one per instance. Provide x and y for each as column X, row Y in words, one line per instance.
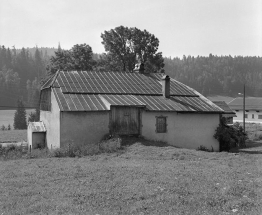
column 165, row 86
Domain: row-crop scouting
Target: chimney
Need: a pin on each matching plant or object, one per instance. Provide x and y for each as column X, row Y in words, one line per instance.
column 139, row 68
column 165, row 86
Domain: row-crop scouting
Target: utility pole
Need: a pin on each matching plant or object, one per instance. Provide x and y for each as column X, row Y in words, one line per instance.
column 244, row 107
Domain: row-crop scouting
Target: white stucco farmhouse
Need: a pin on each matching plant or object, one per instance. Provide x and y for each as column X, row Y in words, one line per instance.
column 81, row 107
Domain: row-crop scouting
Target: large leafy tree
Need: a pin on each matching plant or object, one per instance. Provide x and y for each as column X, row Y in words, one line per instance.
column 126, row 46
column 20, row 116
column 79, row 57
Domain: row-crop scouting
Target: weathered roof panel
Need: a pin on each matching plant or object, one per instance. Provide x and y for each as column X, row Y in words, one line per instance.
column 178, row 104
column 79, row 102
column 117, row 83
column 37, row 126
column 176, row 88
column 123, row 100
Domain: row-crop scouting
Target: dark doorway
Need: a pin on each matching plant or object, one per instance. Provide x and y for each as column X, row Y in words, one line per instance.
column 125, row 120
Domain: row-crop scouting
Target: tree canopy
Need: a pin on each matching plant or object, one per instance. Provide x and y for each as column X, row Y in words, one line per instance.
column 79, row 57
column 125, row 46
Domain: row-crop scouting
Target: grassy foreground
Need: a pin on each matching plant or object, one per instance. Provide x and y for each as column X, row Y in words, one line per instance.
column 136, row 180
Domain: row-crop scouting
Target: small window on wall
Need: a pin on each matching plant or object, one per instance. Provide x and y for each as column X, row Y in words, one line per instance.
column 246, row 116
column 161, row 125
column 259, row 116
column 253, row 116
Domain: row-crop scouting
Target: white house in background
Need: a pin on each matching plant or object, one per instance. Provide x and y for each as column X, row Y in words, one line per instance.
column 253, row 109
column 81, row 107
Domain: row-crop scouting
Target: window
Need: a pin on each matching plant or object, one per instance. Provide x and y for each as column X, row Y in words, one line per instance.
column 237, row 110
column 161, row 124
column 246, row 116
column 247, row 110
column 253, row 116
column 259, row 116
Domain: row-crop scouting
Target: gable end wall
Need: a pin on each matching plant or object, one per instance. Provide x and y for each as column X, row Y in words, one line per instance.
column 51, row 120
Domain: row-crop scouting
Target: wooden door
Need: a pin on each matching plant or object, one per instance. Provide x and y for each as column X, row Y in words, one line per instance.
column 125, row 120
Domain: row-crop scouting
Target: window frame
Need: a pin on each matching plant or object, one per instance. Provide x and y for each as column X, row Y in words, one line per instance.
column 161, row 127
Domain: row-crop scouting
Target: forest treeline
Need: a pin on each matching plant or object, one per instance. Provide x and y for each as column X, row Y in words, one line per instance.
column 21, row 71
column 218, row 75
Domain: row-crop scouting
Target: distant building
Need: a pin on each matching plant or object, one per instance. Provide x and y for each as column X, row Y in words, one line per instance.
column 81, row 107
column 253, row 109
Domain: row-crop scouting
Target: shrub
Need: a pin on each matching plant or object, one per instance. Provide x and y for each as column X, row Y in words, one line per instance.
column 230, row 136
column 11, row 152
column 205, row 149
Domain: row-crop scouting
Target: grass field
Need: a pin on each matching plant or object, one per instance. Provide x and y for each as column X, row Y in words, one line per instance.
column 13, row 136
column 138, row 179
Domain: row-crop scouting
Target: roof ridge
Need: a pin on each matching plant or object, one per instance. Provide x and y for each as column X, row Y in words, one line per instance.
column 55, row 77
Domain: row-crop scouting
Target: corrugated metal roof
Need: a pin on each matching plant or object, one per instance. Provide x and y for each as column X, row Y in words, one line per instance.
column 79, row 102
column 117, row 83
column 176, row 87
column 86, row 102
column 122, row 100
column 50, row 82
column 37, row 126
column 251, row 103
column 224, row 106
column 93, row 91
column 178, row 104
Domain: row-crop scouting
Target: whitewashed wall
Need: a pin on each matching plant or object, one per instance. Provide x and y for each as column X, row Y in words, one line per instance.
column 51, row 120
column 183, row 130
column 252, row 116
column 83, row 127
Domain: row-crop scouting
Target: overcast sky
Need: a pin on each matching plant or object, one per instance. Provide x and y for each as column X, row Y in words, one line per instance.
column 183, row 27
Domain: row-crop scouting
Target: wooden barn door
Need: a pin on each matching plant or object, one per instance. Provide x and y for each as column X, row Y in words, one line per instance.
column 125, row 120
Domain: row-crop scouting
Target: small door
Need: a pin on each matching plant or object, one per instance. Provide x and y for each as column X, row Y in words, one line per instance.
column 124, row 120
